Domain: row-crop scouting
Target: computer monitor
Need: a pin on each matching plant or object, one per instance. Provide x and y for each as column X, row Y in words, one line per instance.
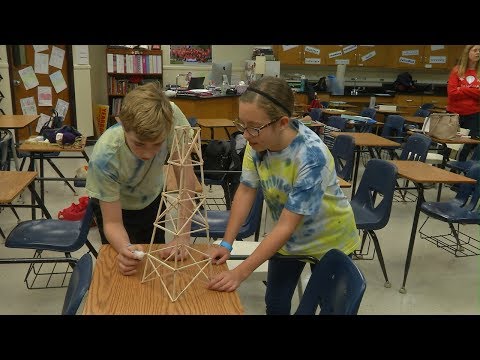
column 220, row 69
column 196, row 83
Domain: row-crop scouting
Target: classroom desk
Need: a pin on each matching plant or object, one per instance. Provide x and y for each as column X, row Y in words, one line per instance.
column 343, row 183
column 419, row 173
column 419, row 120
column 112, row 293
column 368, row 140
column 12, row 183
column 213, row 124
column 38, row 151
column 16, row 122
column 445, row 152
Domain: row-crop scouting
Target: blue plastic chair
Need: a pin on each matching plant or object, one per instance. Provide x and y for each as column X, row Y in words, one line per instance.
column 337, row 122
column 422, row 112
column 52, row 235
column 316, row 114
column 336, row 285
column 379, row 178
column 343, row 152
column 459, row 211
column 416, row 148
column 393, row 129
column 427, row 106
column 464, row 166
column 78, row 285
column 218, row 219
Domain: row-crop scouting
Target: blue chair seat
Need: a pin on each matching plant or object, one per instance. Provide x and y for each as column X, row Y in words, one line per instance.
column 46, row 234
column 366, row 218
column 218, row 219
column 451, row 212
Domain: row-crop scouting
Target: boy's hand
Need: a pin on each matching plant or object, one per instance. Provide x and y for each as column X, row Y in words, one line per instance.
column 128, row 260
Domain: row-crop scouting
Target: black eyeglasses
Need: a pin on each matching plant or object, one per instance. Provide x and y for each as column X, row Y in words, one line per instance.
column 252, row 130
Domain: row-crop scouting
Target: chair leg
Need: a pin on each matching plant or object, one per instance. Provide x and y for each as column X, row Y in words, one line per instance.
column 380, row 257
column 455, row 234
column 1, row 233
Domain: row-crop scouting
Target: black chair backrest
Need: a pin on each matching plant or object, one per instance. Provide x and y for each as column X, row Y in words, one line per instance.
column 85, row 224
column 343, row 153
column 416, row 148
column 337, row 122
column 422, row 112
column 336, row 284
column 369, row 112
column 427, row 106
column 316, row 114
column 79, row 284
column 393, row 126
column 379, row 177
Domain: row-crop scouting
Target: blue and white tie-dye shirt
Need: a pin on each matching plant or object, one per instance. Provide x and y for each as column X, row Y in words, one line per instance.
column 302, row 179
column 115, row 173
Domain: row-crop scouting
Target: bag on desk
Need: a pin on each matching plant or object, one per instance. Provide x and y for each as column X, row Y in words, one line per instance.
column 48, row 130
column 443, row 125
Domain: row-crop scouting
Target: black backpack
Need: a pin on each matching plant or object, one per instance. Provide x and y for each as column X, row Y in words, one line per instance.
column 404, row 82
column 216, row 156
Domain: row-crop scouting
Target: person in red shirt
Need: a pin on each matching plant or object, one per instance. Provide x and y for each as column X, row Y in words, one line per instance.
column 464, row 94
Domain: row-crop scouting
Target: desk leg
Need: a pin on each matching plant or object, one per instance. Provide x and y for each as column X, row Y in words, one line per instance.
column 446, row 154
column 14, row 150
column 420, row 199
column 39, row 201
column 85, row 156
column 228, row 134
column 355, row 170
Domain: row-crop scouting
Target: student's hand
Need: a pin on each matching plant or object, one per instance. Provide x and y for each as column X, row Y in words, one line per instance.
column 127, row 260
column 225, row 281
column 173, row 252
column 218, row 254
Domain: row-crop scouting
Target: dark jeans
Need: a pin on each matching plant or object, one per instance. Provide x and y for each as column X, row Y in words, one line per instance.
column 282, row 279
column 471, row 122
column 138, row 223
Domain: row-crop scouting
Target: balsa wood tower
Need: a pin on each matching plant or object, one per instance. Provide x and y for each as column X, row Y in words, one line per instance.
column 182, row 205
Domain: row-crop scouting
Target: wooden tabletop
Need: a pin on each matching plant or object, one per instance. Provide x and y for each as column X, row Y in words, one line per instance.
column 215, row 122
column 16, row 121
column 12, row 183
column 421, row 172
column 390, row 112
column 44, row 147
column 338, row 112
column 414, row 119
column 367, row 139
column 112, row 293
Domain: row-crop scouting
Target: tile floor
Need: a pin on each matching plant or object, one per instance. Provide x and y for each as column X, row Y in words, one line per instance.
column 438, row 283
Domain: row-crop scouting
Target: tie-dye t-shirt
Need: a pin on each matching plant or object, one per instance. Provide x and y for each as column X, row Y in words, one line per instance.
column 115, row 173
column 302, row 179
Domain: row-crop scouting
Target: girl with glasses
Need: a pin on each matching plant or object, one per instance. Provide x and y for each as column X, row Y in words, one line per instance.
column 296, row 172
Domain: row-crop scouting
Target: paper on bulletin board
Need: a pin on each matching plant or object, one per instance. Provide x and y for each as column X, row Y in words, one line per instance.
column 288, row 47
column 405, row 60
column 82, row 55
column 40, row 48
column 41, row 63
column 41, row 121
column 28, row 77
column 44, row 96
column 437, row 47
column 368, row 56
column 349, row 48
column 58, row 81
column 28, row 106
column 56, row 57
column 61, row 108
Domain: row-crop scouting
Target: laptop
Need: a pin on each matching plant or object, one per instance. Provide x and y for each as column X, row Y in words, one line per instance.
column 425, row 127
column 196, row 83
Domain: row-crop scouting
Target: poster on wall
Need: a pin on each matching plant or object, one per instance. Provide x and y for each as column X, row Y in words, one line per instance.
column 190, row 54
